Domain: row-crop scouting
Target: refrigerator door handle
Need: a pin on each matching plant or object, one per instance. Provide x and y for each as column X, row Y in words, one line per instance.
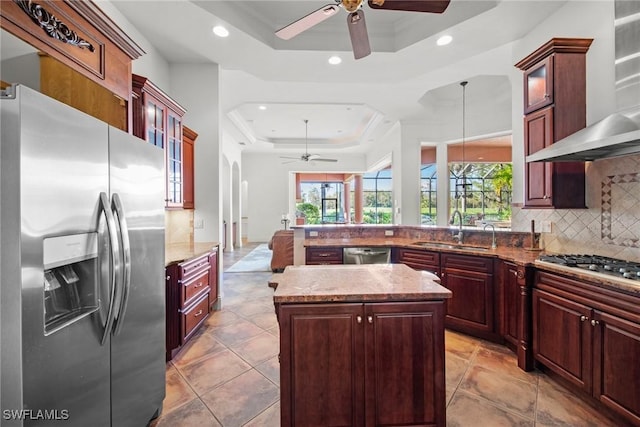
column 126, row 251
column 115, row 263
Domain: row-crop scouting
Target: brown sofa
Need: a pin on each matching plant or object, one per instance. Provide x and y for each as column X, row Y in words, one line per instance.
column 281, row 244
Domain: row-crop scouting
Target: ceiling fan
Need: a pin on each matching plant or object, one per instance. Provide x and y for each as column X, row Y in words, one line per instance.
column 306, row 157
column 355, row 20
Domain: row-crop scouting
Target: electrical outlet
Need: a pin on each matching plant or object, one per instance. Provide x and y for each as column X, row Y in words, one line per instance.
column 545, row 226
column 313, row 234
column 388, row 232
column 198, row 223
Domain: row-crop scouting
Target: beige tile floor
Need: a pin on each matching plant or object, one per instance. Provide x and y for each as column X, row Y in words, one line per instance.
column 228, row 374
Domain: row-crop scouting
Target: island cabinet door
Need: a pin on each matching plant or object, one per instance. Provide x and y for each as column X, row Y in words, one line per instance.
column 404, row 379
column 321, row 364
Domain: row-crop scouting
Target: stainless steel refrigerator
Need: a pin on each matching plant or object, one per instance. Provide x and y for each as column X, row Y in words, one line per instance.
column 82, row 330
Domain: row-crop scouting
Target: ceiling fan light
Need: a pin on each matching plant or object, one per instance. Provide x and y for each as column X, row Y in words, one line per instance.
column 220, row 31
column 444, row 40
column 335, row 60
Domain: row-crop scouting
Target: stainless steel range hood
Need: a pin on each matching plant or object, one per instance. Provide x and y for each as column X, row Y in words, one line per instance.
column 617, row 134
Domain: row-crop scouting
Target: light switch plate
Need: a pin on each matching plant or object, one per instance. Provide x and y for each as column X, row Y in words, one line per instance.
column 198, row 223
column 545, row 226
column 313, row 234
column 388, row 232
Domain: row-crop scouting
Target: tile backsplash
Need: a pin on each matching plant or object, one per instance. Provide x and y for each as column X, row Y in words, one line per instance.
column 178, row 226
column 610, row 226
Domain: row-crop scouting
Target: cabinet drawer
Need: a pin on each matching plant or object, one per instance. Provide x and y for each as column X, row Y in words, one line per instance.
column 194, row 316
column 194, row 286
column 324, row 256
column 194, row 266
column 468, row 263
column 420, row 260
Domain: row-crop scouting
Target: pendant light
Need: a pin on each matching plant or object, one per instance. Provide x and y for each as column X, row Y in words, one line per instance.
column 461, row 188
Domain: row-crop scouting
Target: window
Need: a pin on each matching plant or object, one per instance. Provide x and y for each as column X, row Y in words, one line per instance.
column 428, row 185
column 322, row 202
column 482, row 191
column 378, row 198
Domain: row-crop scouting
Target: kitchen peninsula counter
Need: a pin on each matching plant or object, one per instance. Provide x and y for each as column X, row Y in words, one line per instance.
column 361, row 345
column 519, row 255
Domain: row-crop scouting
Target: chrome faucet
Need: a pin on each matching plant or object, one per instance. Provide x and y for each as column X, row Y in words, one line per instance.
column 458, row 236
column 493, row 235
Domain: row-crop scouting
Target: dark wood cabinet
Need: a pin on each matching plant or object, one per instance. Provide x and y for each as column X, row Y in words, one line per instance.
column 516, row 311
column 214, row 293
column 158, row 119
column 355, row 364
column 471, row 308
column 188, row 167
column 562, row 337
column 538, row 134
column 417, row 259
column 538, row 85
column 590, row 336
column 554, row 107
column 191, row 292
column 320, row 256
column 616, row 366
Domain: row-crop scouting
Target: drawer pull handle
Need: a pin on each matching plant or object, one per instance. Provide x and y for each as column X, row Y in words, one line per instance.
column 583, row 318
column 359, row 319
column 198, row 285
column 324, row 255
column 594, row 323
column 198, row 313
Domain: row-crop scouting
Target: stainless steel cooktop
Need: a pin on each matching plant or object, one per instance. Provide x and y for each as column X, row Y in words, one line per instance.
column 618, row 268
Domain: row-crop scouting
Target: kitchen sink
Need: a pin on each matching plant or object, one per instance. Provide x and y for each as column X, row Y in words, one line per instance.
column 442, row 245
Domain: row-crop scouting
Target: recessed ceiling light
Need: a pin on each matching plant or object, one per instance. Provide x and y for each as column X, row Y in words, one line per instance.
column 335, row 60
column 220, row 31
column 262, row 107
column 444, row 40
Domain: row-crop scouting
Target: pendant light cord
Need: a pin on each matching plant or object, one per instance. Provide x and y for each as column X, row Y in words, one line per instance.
column 464, row 167
column 306, row 137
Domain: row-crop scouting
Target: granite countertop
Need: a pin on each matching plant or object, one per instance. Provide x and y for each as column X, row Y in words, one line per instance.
column 178, row 252
column 522, row 256
column 357, row 283
column 602, row 280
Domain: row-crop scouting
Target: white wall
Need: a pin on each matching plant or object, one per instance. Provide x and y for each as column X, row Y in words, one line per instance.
column 270, row 190
column 196, row 87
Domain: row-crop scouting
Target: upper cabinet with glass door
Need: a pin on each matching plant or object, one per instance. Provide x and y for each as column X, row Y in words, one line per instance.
column 538, row 86
column 158, row 119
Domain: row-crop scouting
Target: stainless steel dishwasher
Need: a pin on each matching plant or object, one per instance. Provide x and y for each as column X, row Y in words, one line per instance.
column 368, row 255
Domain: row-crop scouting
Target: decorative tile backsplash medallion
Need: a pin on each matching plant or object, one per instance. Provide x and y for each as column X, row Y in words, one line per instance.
column 610, row 226
column 621, row 210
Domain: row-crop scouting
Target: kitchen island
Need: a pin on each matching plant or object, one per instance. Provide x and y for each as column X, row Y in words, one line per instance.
column 361, row 345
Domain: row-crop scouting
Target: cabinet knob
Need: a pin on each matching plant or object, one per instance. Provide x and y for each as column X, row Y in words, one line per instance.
column 583, row 318
column 594, row 323
column 168, row 277
column 359, row 319
column 370, row 319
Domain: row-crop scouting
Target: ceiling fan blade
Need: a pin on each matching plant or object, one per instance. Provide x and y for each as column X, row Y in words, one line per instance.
column 428, row 6
column 307, row 21
column 286, row 157
column 323, row 160
column 358, row 32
